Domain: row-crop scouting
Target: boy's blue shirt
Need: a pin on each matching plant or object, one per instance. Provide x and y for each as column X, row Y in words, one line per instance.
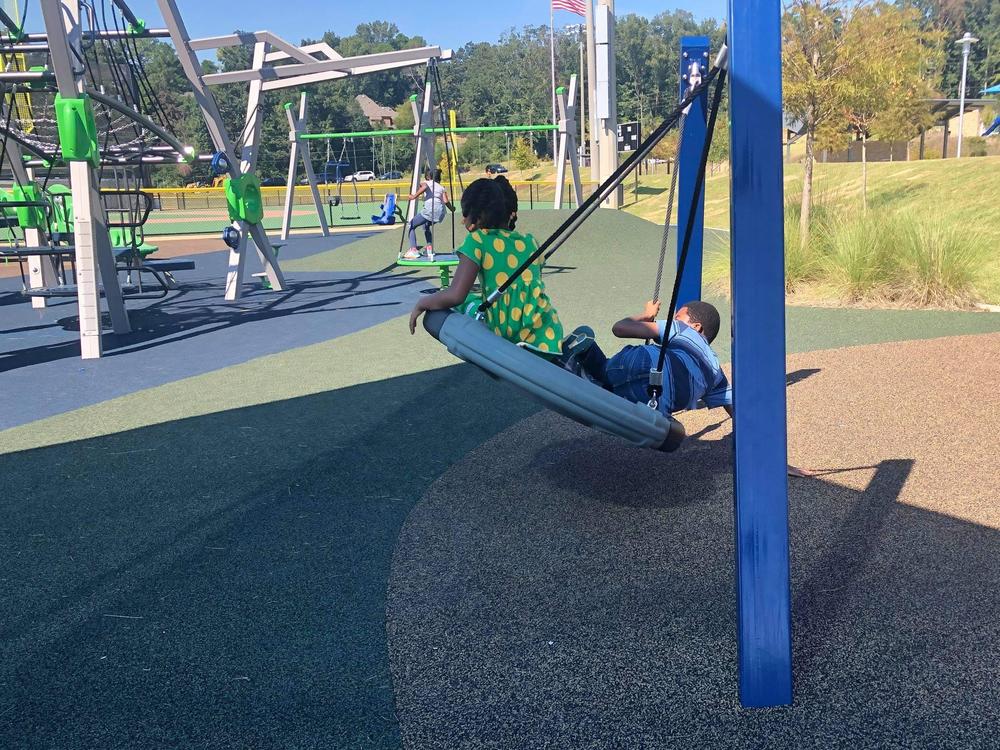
column 692, row 372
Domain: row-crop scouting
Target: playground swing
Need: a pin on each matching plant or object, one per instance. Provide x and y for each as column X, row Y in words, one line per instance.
column 560, row 390
column 444, row 262
column 340, row 167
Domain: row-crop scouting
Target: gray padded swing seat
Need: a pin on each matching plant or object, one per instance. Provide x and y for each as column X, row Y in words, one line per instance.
column 556, row 388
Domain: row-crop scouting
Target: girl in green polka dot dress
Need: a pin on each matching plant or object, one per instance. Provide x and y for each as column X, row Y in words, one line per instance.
column 491, row 252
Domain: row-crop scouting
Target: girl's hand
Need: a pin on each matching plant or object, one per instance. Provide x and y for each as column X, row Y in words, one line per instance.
column 651, row 310
column 415, row 313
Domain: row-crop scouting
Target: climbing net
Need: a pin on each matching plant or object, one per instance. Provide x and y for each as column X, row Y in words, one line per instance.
column 130, row 117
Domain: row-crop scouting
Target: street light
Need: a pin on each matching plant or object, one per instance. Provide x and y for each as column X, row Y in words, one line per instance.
column 966, row 41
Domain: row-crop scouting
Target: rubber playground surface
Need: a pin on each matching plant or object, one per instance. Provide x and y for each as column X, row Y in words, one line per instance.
column 286, row 523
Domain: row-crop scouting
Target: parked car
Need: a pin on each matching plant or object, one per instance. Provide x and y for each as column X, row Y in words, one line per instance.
column 273, row 182
column 495, row 169
column 392, row 176
column 365, row 175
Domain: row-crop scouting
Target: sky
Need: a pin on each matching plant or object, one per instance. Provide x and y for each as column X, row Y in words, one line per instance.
column 448, row 23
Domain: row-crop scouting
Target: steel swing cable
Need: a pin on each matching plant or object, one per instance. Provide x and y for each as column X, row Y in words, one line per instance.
column 656, row 374
column 447, row 150
column 417, row 135
column 593, row 201
column 664, row 240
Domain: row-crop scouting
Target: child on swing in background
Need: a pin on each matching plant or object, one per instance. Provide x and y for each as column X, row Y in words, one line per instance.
column 492, row 250
column 431, row 213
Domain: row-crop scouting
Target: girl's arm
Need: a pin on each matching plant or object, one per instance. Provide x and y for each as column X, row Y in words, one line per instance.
column 461, row 285
column 420, row 190
column 641, row 326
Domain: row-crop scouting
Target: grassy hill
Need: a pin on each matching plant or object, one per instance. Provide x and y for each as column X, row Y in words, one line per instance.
column 956, row 194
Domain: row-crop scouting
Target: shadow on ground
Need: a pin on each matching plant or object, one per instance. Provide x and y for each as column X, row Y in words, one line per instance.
column 197, row 308
column 582, row 606
column 220, row 581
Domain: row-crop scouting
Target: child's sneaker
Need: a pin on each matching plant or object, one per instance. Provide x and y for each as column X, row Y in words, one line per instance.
column 412, row 254
column 575, row 346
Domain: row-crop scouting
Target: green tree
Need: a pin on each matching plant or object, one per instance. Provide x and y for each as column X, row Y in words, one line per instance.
column 523, row 155
column 878, row 95
column 813, row 60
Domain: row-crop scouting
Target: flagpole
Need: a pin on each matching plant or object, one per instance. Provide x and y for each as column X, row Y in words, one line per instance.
column 552, row 64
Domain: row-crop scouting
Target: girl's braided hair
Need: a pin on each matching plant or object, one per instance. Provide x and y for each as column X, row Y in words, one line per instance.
column 485, row 204
column 510, row 199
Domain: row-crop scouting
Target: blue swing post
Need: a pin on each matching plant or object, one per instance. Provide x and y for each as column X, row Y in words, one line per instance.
column 758, row 293
column 694, row 51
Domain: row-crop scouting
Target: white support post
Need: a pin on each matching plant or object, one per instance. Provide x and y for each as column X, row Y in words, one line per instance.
column 296, row 126
column 422, row 120
column 94, row 255
column 220, row 138
column 293, row 162
column 43, row 270
column 607, row 107
column 255, row 115
column 567, row 144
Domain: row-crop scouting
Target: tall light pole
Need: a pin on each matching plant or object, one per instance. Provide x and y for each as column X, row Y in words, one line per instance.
column 966, row 41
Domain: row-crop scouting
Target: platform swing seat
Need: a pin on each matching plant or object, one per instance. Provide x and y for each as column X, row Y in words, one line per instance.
column 566, row 393
column 444, row 262
column 558, row 389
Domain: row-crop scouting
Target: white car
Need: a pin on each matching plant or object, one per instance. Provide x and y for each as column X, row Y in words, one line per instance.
column 363, row 176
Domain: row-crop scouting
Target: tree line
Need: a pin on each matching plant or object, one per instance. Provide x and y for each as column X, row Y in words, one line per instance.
column 849, row 48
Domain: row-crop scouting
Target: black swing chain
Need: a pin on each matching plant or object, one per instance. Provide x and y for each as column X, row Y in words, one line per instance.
column 656, row 373
column 593, row 201
column 450, row 148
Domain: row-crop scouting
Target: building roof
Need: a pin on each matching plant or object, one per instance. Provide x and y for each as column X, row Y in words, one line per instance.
column 372, row 110
column 944, row 110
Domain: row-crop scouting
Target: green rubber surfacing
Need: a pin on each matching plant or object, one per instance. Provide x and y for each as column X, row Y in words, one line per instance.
column 246, row 518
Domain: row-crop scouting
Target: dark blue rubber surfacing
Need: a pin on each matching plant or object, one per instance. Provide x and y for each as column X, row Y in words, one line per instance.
column 189, row 332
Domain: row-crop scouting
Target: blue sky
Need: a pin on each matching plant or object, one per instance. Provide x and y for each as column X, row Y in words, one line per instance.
column 449, row 23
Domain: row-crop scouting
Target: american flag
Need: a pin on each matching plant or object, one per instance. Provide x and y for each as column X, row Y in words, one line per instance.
column 573, row 6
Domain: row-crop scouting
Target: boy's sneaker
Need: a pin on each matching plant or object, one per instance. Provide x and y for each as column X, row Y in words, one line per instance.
column 575, row 346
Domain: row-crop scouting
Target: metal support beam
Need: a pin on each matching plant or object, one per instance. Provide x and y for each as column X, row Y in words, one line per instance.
column 295, row 127
column 607, row 101
column 758, row 298
column 694, row 64
column 42, row 269
column 105, row 34
column 423, row 116
column 357, row 65
column 567, row 144
column 220, row 138
column 94, row 255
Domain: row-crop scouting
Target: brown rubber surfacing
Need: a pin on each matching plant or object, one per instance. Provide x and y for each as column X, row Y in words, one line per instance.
column 557, row 588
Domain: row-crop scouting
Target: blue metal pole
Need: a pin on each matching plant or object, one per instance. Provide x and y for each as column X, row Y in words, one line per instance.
column 760, row 483
column 694, row 52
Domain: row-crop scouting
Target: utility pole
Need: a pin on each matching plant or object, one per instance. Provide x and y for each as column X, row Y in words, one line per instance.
column 607, row 106
column 583, row 93
column 595, row 165
column 966, row 41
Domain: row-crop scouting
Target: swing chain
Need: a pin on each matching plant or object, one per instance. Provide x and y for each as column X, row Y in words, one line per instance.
column 656, row 390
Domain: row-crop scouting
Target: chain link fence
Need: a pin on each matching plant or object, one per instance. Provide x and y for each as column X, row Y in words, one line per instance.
column 203, row 210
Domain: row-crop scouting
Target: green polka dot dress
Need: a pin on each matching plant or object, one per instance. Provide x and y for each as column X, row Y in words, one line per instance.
column 523, row 314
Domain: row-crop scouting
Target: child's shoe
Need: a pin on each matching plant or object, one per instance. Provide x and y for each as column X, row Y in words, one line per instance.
column 575, row 346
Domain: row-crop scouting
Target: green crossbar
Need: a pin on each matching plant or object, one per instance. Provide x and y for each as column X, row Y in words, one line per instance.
column 468, row 129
